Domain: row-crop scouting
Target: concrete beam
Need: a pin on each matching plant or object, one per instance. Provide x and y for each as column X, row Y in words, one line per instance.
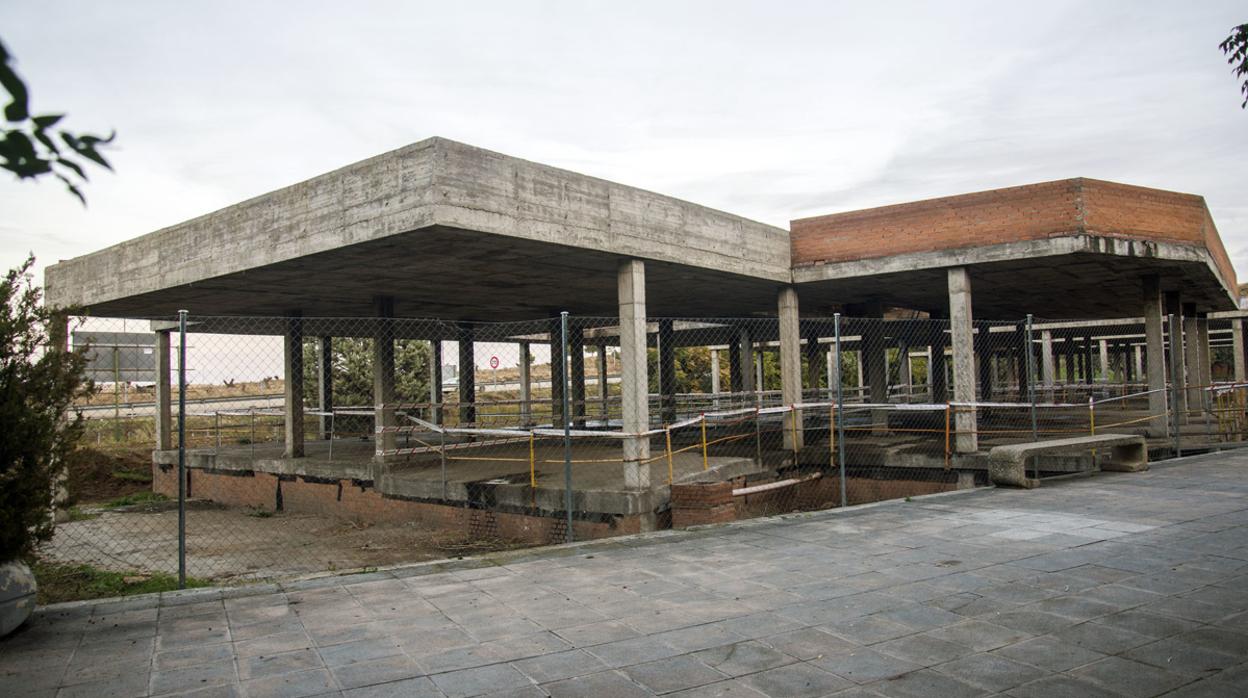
column 962, row 337
column 292, row 351
column 790, row 365
column 634, row 375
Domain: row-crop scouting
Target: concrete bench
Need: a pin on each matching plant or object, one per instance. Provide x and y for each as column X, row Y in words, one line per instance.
column 1007, row 465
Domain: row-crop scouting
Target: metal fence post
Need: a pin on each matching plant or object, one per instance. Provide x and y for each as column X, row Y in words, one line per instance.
column 567, row 422
column 1031, row 379
column 181, row 449
column 840, row 407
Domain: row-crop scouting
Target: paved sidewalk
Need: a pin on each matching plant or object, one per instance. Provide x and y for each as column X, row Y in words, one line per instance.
column 1129, row 585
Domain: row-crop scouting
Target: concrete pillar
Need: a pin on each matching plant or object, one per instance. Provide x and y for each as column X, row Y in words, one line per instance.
column 962, row 338
column 1237, row 350
column 558, row 373
column 1154, row 342
column 1104, row 349
column 526, row 384
column 1191, row 354
column 292, row 349
column 467, row 375
column 576, row 361
column 760, row 380
column 832, row 377
column 1178, row 353
column 435, row 381
column 383, row 373
column 875, row 366
column 790, row 365
column 938, row 373
column 1203, row 360
column 715, row 372
column 324, row 385
column 604, row 391
column 814, row 366
column 634, row 377
column 667, row 371
column 164, row 392
column 1088, row 371
column 904, row 373
column 1137, row 354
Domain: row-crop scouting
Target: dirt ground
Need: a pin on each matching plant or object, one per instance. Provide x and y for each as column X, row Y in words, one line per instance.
column 97, row 476
column 241, row 544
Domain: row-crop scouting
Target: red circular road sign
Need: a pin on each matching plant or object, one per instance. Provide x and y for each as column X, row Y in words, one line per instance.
column 493, row 362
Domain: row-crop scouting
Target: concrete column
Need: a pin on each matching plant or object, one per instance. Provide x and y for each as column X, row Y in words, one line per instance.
column 790, row 365
column 1104, row 349
column 292, row 349
column 576, row 356
column 1237, row 350
column 875, row 367
column 324, row 385
column 467, row 375
column 1048, row 369
column 832, row 377
column 962, row 337
column 1178, row 353
column 905, row 374
column 164, row 392
column 1191, row 354
column 667, row 371
column 715, row 372
column 558, row 373
column 1203, row 361
column 634, row 377
column 938, row 371
column 526, row 385
column 814, row 366
column 435, row 381
column 1088, row 372
column 1154, row 342
column 604, row 391
column 1137, row 354
column 759, row 378
column 383, row 373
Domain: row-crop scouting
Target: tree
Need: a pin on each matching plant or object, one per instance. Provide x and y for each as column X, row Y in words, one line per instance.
column 353, row 370
column 29, row 148
column 1236, row 49
column 39, row 382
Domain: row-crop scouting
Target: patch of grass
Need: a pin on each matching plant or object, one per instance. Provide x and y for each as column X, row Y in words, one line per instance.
column 133, row 476
column 136, row 498
column 76, row 514
column 59, row 582
column 260, row 513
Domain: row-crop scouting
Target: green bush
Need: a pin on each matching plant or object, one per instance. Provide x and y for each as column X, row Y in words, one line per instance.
column 39, row 380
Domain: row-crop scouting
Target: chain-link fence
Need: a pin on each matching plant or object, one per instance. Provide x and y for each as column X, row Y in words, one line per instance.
column 251, row 448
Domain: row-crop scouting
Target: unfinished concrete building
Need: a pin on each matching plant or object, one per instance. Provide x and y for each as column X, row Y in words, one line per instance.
column 445, row 231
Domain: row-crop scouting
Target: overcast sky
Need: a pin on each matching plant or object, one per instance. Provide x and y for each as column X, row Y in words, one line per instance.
column 771, row 110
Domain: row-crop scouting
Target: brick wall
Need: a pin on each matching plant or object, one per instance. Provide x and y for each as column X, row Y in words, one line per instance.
column 1012, row 214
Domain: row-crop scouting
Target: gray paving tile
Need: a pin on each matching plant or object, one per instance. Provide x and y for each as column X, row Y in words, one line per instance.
column 560, row 665
column 978, row 635
column 796, row 681
column 991, row 671
column 743, row 658
column 376, row 671
column 299, row 684
column 673, row 674
column 633, row 651
column 282, row 663
column 420, row 687
column 480, row 680
column 1049, row 652
column 807, row 643
column 926, row 683
column 213, row 673
column 1130, row 677
column 923, row 650
column 864, row 665
column 1062, row 686
column 605, row 683
column 732, row 688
